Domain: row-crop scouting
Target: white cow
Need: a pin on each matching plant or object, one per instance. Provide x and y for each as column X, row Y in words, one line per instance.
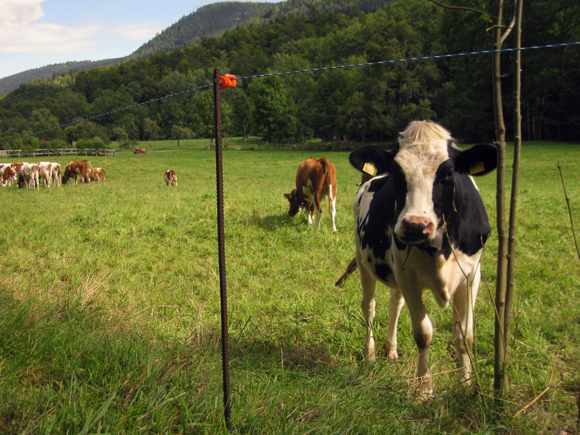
column 45, row 172
column 29, row 172
column 56, row 173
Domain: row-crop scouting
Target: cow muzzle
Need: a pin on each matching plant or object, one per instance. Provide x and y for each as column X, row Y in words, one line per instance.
column 416, row 229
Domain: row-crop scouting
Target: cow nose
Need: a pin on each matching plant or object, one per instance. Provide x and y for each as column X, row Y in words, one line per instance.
column 416, row 228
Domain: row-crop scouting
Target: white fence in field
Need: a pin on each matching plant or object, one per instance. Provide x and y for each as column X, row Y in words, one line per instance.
column 58, row 152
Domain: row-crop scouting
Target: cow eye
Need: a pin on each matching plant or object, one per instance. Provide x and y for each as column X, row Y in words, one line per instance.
column 450, row 174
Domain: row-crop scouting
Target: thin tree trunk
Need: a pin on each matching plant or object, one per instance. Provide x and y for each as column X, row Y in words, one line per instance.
column 511, row 264
column 500, row 290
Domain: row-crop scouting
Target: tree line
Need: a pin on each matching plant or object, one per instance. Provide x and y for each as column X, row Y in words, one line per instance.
column 371, row 103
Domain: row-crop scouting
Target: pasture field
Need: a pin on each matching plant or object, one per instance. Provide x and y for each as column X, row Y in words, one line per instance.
column 110, row 322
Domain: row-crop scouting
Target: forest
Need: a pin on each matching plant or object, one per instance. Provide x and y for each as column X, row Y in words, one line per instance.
column 366, row 104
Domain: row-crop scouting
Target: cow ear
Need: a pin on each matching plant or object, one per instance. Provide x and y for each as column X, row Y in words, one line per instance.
column 288, row 195
column 371, row 160
column 478, row 160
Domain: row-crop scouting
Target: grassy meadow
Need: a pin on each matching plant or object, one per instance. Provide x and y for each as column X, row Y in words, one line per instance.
column 110, row 321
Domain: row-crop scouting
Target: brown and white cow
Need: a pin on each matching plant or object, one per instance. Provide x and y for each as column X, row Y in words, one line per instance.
column 170, row 177
column 45, row 172
column 420, row 224
column 14, row 175
column 29, row 173
column 8, row 175
column 315, row 180
column 98, row 174
column 78, row 167
column 56, row 173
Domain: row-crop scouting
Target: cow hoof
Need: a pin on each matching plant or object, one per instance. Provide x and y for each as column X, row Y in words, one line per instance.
column 392, row 356
column 424, row 388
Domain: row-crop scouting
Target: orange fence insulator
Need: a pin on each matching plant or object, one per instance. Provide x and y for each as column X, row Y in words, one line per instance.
column 227, row 81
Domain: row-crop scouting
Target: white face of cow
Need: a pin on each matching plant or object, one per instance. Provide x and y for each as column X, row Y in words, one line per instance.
column 423, row 148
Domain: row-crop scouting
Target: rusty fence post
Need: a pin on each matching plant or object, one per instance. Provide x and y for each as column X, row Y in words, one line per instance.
column 221, row 247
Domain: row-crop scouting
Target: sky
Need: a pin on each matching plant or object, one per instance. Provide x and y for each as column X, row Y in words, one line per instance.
column 36, row 33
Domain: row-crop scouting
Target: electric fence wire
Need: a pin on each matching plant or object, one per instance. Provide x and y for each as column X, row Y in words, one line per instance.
column 382, row 62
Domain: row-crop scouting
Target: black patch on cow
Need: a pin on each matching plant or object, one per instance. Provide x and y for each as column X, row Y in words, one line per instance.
column 467, row 225
column 383, row 271
column 458, row 203
column 373, row 232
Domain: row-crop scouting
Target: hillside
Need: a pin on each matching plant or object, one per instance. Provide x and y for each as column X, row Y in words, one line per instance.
column 12, row 82
column 209, row 20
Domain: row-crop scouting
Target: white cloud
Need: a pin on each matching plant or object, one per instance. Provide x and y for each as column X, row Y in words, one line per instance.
column 20, row 31
column 14, row 13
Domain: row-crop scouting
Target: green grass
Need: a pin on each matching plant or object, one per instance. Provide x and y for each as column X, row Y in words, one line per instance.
column 110, row 321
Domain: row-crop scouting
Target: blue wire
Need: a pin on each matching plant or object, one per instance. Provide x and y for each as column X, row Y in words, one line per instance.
column 382, row 62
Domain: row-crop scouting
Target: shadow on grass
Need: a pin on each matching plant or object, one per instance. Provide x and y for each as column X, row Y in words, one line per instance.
column 273, row 222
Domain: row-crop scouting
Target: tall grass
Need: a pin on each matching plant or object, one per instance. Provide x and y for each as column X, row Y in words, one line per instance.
column 109, row 308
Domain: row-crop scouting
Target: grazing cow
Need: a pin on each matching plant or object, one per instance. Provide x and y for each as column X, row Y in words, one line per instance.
column 315, row 180
column 8, row 174
column 55, row 173
column 420, row 223
column 98, row 174
column 29, row 173
column 170, row 177
column 3, row 167
column 74, row 168
column 45, row 172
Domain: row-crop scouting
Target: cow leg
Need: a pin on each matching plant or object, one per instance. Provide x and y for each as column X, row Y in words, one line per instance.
column 332, row 210
column 463, row 306
column 396, row 303
column 310, row 212
column 422, row 331
column 368, row 308
column 318, row 215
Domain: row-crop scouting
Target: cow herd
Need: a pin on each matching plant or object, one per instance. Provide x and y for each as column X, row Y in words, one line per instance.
column 28, row 175
column 419, row 223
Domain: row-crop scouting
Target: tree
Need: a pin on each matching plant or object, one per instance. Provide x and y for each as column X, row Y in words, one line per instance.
column 241, row 112
column 150, row 129
column 274, row 114
column 178, row 132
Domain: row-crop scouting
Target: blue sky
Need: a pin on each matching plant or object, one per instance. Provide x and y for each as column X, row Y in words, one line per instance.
column 36, row 33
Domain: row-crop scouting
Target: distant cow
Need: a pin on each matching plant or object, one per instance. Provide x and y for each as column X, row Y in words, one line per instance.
column 8, row 174
column 45, row 172
column 29, row 173
column 315, row 180
column 420, row 223
column 98, row 174
column 74, row 168
column 170, row 177
column 56, row 173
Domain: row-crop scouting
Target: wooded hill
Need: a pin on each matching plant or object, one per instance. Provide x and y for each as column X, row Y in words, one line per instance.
column 209, row 20
column 364, row 103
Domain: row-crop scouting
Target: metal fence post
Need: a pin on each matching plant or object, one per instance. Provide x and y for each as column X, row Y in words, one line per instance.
column 221, row 247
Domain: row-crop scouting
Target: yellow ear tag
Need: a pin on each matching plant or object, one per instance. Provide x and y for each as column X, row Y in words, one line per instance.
column 370, row 169
column 476, row 169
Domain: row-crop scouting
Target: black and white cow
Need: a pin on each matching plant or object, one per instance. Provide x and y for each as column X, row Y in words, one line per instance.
column 420, row 223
